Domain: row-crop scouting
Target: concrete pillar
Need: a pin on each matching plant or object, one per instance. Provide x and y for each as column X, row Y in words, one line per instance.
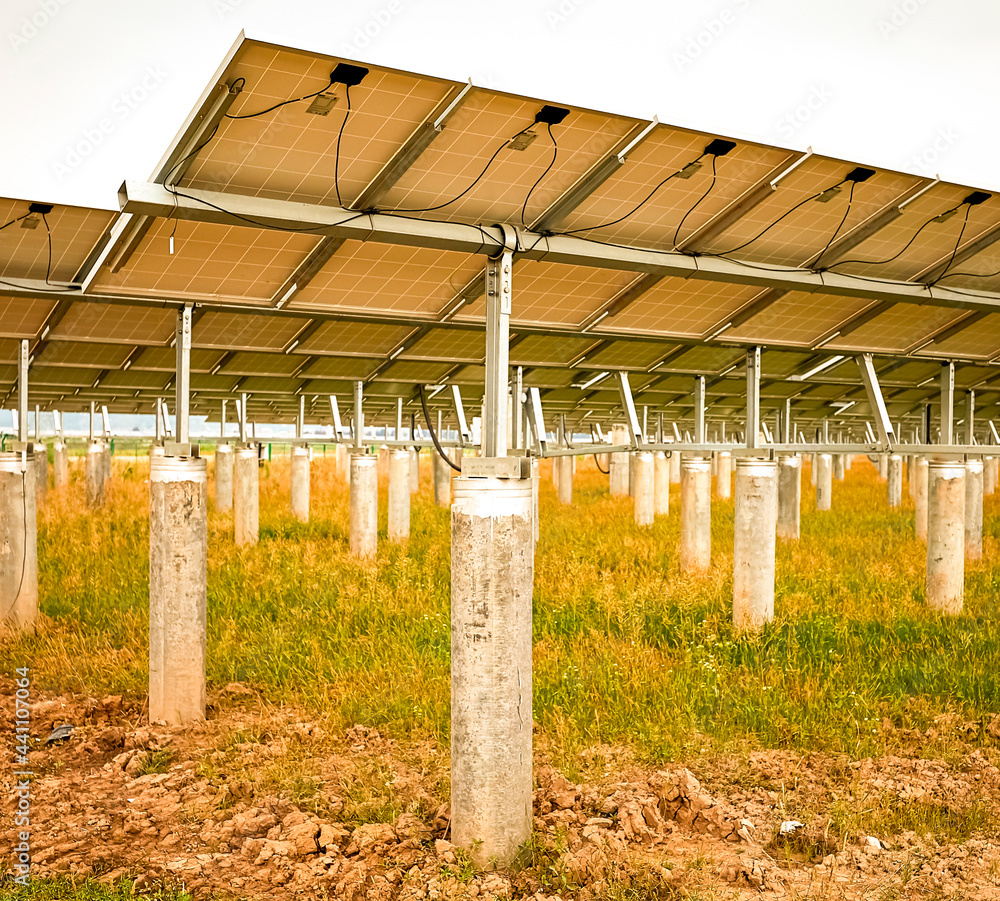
column 945, row 535
column 60, row 464
column 106, row 448
column 813, row 466
column 894, row 480
column 645, row 506
column 991, row 465
column 300, row 483
column 414, row 471
column 974, row 509
column 95, row 475
column 178, row 593
column 492, row 557
column 155, row 450
column 911, row 476
column 838, row 467
column 824, row 481
column 724, row 477
column 535, row 466
column 41, row 455
column 883, row 466
column 920, row 497
column 631, row 473
column 661, row 484
column 223, row 478
column 848, row 461
column 564, row 466
column 343, row 463
column 789, row 496
column 364, row 504
column 18, row 543
column 696, row 514
column 246, row 495
column 675, row 468
column 753, row 542
column 442, row 479
column 619, row 466
column 400, row 465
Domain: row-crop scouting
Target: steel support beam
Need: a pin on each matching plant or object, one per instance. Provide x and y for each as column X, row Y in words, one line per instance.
column 947, row 403
column 182, row 387
column 498, row 304
column 753, row 396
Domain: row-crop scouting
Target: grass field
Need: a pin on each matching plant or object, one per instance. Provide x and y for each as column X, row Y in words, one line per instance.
column 627, row 650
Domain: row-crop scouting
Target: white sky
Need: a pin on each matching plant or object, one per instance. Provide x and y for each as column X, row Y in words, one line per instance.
column 909, row 84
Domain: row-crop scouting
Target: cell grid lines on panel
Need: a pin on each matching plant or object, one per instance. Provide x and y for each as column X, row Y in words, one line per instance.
column 354, row 339
column 116, row 324
column 799, row 318
column 87, row 355
column 246, row 331
column 898, row 329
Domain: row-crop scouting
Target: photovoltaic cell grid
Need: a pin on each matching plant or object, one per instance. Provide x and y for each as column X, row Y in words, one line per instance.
column 291, row 155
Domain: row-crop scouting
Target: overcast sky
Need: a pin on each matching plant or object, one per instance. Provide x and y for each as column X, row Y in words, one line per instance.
column 910, row 84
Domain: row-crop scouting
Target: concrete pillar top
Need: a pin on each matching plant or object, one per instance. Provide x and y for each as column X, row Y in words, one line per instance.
column 10, row 461
column 178, row 469
column 758, row 464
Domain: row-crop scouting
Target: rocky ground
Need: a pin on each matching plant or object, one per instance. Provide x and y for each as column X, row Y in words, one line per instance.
column 263, row 802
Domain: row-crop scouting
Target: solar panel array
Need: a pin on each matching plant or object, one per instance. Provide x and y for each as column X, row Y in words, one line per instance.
column 287, row 312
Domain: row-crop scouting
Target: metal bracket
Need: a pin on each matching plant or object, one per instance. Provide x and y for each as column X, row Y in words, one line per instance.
column 887, row 437
column 628, row 405
column 753, row 395
column 338, row 427
column 465, row 433
column 537, row 420
column 106, row 420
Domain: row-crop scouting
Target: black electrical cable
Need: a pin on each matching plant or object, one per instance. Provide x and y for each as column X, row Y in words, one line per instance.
column 708, row 191
column 48, row 241
column 902, row 250
column 840, row 225
column 638, row 206
column 958, row 243
column 441, row 206
column 760, row 234
column 271, row 109
column 548, row 168
column 597, row 463
column 340, row 134
column 430, row 428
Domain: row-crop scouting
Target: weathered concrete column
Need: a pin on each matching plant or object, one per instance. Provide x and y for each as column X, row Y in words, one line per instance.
column 564, row 466
column 920, row 497
column 911, row 476
column 991, row 465
column 19, row 543
column 974, row 509
column 661, row 484
column 838, row 467
column 813, row 467
column 894, row 480
column 246, row 495
column 675, row 468
column 106, row 448
column 618, row 466
column 300, row 483
column 178, row 593
column 95, row 475
column 724, row 476
column 631, row 474
column 946, row 535
column 696, row 514
column 883, row 466
column 442, row 479
column 492, row 558
column 41, row 455
column 789, row 496
column 824, row 481
column 60, row 464
column 223, row 478
column 753, row 542
column 414, row 471
column 645, row 502
column 364, row 504
column 343, row 463
column 535, row 479
column 400, row 464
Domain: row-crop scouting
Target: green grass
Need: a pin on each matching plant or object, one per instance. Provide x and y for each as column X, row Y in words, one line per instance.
column 627, row 649
column 87, row 890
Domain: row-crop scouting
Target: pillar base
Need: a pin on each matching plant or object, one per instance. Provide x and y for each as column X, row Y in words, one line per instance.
column 696, row 514
column 364, row 504
column 246, row 495
column 300, row 483
column 946, row 536
column 19, row 537
column 753, row 542
column 400, row 465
